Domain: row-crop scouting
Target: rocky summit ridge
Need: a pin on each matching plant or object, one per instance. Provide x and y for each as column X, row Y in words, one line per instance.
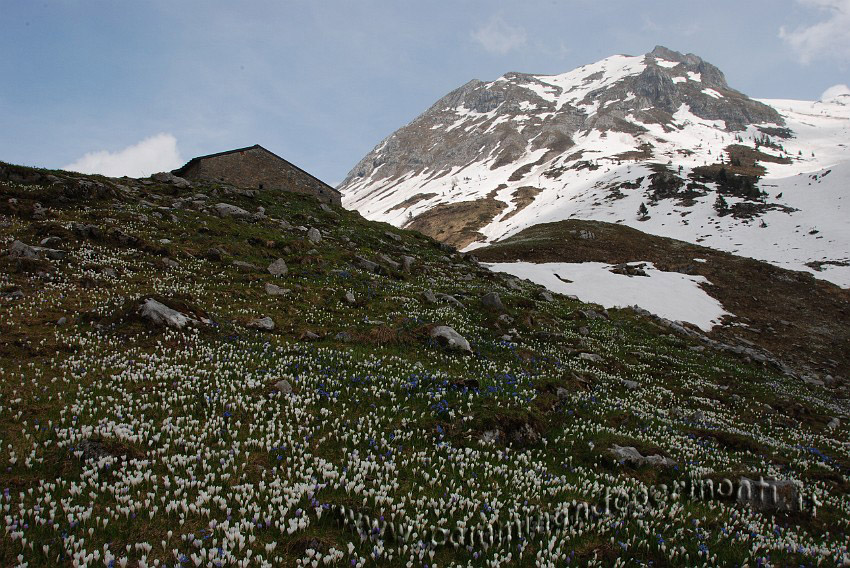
column 662, row 133
column 553, row 108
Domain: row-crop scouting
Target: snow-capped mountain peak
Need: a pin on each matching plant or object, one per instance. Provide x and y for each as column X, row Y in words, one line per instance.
column 660, row 142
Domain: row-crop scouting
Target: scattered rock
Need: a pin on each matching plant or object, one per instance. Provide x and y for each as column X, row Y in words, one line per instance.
column 810, row 380
column 349, row 298
column 278, row 268
column 62, row 321
column 390, row 262
column 214, row 254
column 283, row 386
column 168, row 177
column 87, row 231
column 228, row 210
column 591, row 314
column 546, row 296
column 309, row 336
column 160, row 314
column 53, row 254
column 506, row 319
column 631, row 385
column 492, row 301
column 450, row 339
column 263, row 324
column 628, row 454
column 407, row 262
column 368, row 265
column 590, row 357
column 429, row 297
column 21, row 250
column 39, row 212
column 450, row 300
column 314, row 236
column 275, row 290
column 393, row 236
column 51, row 242
column 833, row 424
column 629, row 269
column 246, row 266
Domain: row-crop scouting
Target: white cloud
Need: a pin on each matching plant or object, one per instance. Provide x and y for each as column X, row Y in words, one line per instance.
column 835, row 91
column 154, row 154
column 497, row 36
column 827, row 38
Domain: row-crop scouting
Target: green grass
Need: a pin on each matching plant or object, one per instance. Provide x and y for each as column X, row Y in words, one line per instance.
column 379, row 423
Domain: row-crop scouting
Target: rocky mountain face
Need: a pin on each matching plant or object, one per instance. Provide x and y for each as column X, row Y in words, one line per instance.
column 553, row 109
column 661, row 133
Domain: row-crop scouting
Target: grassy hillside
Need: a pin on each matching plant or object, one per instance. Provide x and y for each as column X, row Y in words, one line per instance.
column 802, row 320
column 124, row 442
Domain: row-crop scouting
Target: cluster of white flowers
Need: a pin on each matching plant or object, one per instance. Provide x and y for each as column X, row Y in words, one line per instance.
column 175, row 448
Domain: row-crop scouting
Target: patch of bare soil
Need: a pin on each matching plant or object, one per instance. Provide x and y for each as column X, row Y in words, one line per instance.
column 522, row 198
column 458, row 223
column 803, row 321
column 410, row 201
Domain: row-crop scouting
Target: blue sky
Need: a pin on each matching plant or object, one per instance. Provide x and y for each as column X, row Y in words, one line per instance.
column 136, row 87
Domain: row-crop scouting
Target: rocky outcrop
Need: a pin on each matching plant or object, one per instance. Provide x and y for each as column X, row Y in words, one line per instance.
column 159, row 314
column 492, row 112
column 450, row 339
column 630, row 455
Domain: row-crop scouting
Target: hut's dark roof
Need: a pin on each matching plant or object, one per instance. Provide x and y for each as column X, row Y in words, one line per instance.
column 181, row 170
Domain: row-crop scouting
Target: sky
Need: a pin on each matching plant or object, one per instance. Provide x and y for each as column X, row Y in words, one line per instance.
column 131, row 88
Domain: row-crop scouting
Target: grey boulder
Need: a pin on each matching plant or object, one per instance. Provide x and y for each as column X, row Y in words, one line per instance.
column 628, row 454
column 450, row 339
column 160, row 314
column 275, row 290
column 168, row 177
column 263, row 324
column 278, row 268
column 22, row 250
column 314, row 236
column 492, row 301
column 228, row 210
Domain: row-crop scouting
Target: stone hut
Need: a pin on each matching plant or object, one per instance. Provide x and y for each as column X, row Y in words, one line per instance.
column 255, row 167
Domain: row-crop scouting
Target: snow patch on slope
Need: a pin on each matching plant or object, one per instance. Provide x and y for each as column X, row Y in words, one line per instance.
column 671, row 295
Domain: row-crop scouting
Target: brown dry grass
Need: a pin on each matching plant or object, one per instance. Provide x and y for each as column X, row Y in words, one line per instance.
column 457, row 224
